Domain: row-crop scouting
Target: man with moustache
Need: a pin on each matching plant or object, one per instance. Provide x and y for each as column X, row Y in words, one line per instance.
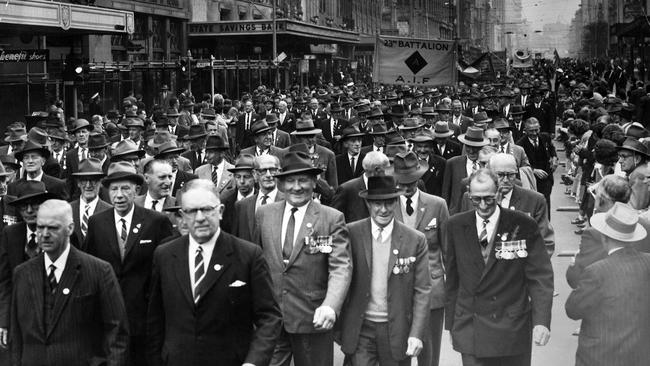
column 310, row 269
column 88, row 180
column 265, row 168
column 67, row 308
column 349, row 162
column 158, row 175
column 126, row 237
column 18, row 244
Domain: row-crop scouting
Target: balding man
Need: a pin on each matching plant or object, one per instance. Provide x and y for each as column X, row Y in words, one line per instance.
column 346, row 198
column 67, row 307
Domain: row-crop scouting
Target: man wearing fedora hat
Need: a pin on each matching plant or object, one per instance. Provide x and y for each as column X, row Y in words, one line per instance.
column 196, row 154
column 541, row 110
column 378, row 133
column 170, row 152
column 244, row 186
column 493, row 324
column 444, row 145
column 384, row 317
column 126, row 237
column 423, row 144
column 281, row 139
column 216, row 167
column 461, row 167
column 427, row 214
column 59, row 140
column 89, row 203
column 33, row 157
column 51, row 167
column 332, row 124
column 349, row 162
column 310, row 268
column 323, row 157
column 515, row 118
column 612, row 295
column 18, row 244
column 81, row 131
column 262, row 135
column 16, row 136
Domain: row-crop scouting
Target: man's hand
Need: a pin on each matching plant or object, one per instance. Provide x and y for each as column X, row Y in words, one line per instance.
column 414, row 347
column 539, row 173
column 541, row 335
column 324, row 318
column 4, row 334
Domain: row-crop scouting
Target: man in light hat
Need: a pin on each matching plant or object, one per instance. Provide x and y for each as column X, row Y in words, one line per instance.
column 349, row 162
column 612, row 295
column 323, row 157
column 126, row 237
column 89, row 203
column 306, row 247
column 263, row 137
column 18, row 244
column 216, row 167
column 136, row 129
column 16, row 136
column 499, row 282
column 384, row 318
column 444, row 145
column 460, row 167
column 427, row 214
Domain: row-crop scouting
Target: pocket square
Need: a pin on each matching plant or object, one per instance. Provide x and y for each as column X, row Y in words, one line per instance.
column 433, row 224
column 146, row 241
column 237, row 283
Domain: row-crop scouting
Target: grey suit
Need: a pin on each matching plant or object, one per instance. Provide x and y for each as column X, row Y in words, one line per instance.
column 225, row 180
column 244, row 223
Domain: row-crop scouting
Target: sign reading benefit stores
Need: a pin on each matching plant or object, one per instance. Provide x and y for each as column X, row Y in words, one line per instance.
column 414, row 61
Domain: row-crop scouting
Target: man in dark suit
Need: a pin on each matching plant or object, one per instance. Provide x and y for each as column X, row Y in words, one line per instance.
column 8, row 214
column 384, row 318
column 460, row 167
column 67, row 308
column 458, row 119
column 81, row 131
column 310, row 268
column 33, row 156
column 280, row 139
column 170, row 152
column 18, row 244
column 349, row 162
column 59, row 139
column 126, row 237
column 244, row 179
column 158, row 176
column 516, row 121
column 443, row 145
column 322, row 157
column 333, row 124
column 196, row 154
column 423, row 145
column 88, row 180
column 612, row 296
column 262, row 135
column 542, row 111
column 542, row 157
column 243, row 222
column 346, row 198
column 286, row 119
column 427, row 214
column 493, row 324
column 244, row 122
column 223, row 309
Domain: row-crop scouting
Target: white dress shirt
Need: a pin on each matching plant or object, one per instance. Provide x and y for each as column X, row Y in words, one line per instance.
column 492, row 223
column 241, row 196
column 38, row 178
column 148, row 201
column 82, row 207
column 298, row 216
column 59, row 263
column 207, row 249
column 386, row 231
column 469, row 167
column 270, row 197
column 505, row 202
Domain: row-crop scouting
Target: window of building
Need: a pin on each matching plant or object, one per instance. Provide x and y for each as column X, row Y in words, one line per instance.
column 224, row 14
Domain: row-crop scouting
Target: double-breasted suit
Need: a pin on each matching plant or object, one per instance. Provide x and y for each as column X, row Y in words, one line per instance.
column 87, row 323
column 148, row 228
column 492, row 306
column 236, row 318
column 408, row 293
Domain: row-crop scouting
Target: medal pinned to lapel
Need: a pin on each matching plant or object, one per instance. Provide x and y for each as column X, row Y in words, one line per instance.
column 217, row 267
column 66, row 291
column 137, row 228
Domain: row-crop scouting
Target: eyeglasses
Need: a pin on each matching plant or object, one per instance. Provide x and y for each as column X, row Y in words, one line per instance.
column 206, row 210
column 270, row 170
column 489, row 200
column 508, row 175
column 625, row 156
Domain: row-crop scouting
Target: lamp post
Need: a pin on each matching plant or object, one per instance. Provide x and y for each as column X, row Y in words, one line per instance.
column 275, row 43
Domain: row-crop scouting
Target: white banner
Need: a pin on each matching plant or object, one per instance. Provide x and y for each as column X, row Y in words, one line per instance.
column 414, row 61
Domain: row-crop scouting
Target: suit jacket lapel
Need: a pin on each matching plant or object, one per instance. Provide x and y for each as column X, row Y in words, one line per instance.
column 219, row 263
column 134, row 235
column 471, row 241
column 311, row 216
column 35, row 278
column 514, row 197
column 182, row 272
column 420, row 212
column 68, row 280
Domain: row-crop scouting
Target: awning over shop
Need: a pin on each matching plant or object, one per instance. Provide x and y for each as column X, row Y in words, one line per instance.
column 48, row 16
column 265, row 27
column 639, row 27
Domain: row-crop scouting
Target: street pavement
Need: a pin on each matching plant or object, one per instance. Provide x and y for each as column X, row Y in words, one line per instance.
column 562, row 345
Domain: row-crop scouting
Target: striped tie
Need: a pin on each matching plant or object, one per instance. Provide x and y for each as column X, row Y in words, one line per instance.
column 51, row 278
column 215, row 176
column 123, row 235
column 199, row 271
column 84, row 221
column 483, row 238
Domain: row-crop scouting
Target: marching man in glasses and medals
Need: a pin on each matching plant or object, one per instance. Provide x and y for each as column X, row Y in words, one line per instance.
column 499, row 280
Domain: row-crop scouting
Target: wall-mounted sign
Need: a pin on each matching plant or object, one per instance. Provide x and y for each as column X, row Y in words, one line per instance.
column 244, row 27
column 24, row 55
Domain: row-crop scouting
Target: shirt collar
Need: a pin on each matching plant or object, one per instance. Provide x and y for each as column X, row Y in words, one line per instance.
column 127, row 217
column 60, row 262
column 241, row 196
column 91, row 203
column 386, row 231
column 270, row 196
column 39, row 177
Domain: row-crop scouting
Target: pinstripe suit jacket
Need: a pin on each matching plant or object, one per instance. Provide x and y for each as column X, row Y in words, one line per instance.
column 612, row 299
column 88, row 320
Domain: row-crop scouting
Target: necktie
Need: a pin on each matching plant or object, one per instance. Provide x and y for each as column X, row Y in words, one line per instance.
column 123, row 238
column 409, row 208
column 264, row 198
column 32, row 247
column 483, row 238
column 199, row 271
column 51, row 278
column 199, row 158
column 503, row 149
column 352, row 164
column 288, row 237
column 153, row 204
column 248, row 121
column 379, row 231
column 215, row 176
column 84, row 221
column 84, row 154
column 535, row 143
